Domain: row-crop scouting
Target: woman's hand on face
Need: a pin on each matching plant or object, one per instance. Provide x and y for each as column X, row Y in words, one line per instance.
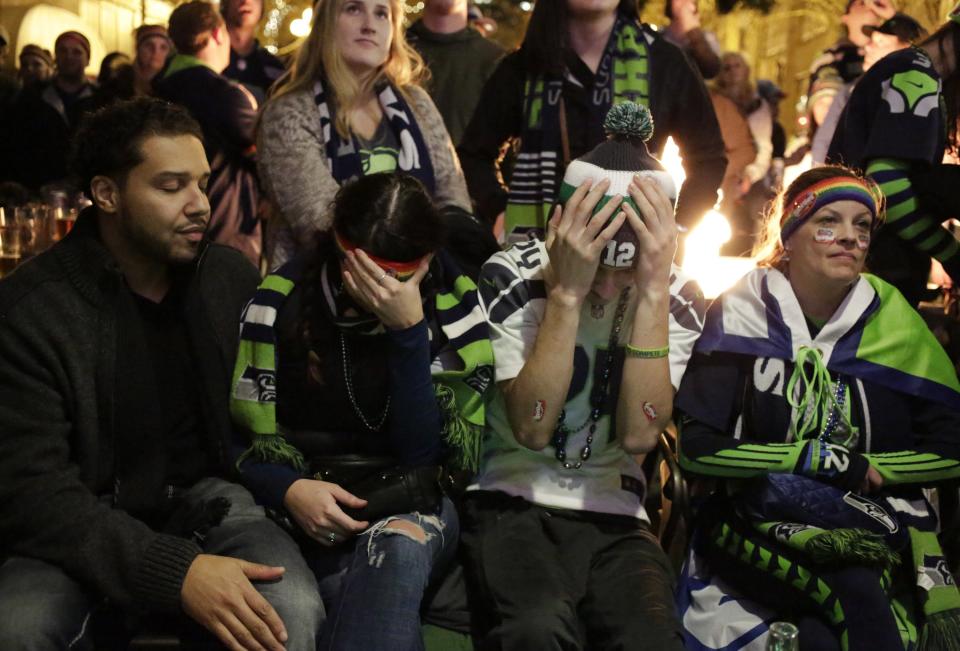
column 576, row 238
column 397, row 304
column 656, row 229
column 315, row 506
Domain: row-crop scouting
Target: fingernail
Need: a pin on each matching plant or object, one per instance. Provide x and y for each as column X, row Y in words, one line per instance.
column 283, row 636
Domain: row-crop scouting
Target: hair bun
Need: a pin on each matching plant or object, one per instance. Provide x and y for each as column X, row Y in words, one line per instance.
column 629, row 120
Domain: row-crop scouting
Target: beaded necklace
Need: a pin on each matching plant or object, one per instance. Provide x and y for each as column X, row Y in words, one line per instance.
column 837, row 428
column 598, row 397
column 353, row 399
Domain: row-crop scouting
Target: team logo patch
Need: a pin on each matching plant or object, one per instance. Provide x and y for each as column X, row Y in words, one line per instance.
column 873, row 510
column 934, row 573
column 480, row 379
column 256, row 385
column 787, row 530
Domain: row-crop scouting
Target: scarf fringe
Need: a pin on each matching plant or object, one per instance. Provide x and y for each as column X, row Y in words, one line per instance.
column 460, row 434
column 941, row 632
column 857, row 546
column 273, row 448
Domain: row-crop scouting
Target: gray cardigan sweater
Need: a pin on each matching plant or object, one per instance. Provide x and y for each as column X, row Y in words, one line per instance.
column 80, row 445
column 294, row 170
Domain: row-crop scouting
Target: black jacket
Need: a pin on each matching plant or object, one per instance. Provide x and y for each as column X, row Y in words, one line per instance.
column 228, row 118
column 679, row 103
column 81, row 445
column 36, row 133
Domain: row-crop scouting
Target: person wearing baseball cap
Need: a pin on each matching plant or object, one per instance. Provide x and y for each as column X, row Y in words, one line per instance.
column 153, row 49
column 894, row 34
column 901, row 118
column 41, row 123
column 591, row 331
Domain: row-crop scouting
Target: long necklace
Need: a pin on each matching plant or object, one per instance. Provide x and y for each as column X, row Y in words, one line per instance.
column 353, row 399
column 837, row 428
column 598, row 397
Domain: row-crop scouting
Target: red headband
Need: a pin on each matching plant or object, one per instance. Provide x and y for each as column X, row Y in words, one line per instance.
column 398, row 270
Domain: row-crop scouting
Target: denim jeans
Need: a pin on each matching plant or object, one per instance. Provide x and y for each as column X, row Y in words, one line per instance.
column 373, row 584
column 43, row 608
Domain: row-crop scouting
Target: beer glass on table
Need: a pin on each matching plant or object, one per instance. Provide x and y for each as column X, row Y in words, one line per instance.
column 10, row 239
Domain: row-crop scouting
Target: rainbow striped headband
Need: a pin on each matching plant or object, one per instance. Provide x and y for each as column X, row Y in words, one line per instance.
column 818, row 195
column 399, row 270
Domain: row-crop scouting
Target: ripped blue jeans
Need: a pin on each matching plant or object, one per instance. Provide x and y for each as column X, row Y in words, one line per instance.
column 373, row 585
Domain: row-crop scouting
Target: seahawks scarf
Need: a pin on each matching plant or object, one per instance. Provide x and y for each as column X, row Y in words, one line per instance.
column 874, row 335
column 343, row 156
column 460, row 380
column 623, row 75
column 826, row 529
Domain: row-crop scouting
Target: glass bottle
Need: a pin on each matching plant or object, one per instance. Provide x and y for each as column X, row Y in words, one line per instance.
column 783, row 636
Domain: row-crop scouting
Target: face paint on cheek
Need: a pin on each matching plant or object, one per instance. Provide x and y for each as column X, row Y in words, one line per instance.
column 824, row 236
column 863, row 242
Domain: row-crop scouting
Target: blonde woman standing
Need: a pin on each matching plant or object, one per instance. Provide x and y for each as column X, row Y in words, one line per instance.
column 349, row 106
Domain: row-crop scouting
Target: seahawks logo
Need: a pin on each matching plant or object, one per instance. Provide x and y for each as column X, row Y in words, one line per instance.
column 873, row 510
column 256, row 385
column 787, row 530
column 480, row 379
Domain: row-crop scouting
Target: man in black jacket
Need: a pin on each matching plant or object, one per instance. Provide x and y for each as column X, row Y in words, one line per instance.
column 36, row 137
column 117, row 348
column 250, row 63
column 227, row 113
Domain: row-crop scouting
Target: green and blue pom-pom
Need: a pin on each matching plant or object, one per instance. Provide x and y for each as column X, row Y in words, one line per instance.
column 629, row 120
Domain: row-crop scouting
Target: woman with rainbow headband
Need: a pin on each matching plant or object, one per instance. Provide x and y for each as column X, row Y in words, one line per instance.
column 361, row 369
column 821, row 404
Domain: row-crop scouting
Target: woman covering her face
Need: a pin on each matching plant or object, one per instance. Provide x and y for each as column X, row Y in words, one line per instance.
column 350, row 106
column 821, row 404
column 361, row 360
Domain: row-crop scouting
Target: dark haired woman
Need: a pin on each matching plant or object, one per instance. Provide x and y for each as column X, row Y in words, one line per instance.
column 823, row 404
column 901, row 118
column 578, row 58
column 367, row 355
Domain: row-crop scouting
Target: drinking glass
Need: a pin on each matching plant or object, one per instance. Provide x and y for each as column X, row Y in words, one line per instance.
column 10, row 239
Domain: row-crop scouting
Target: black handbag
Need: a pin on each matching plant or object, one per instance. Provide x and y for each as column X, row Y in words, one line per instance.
column 388, row 488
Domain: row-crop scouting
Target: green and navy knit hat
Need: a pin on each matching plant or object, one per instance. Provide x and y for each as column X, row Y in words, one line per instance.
column 618, row 158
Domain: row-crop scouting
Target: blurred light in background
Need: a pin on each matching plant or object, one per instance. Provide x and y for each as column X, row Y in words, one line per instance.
column 701, row 259
column 43, row 23
column 300, row 27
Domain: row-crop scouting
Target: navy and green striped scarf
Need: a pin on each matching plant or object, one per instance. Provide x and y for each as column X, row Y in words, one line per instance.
column 460, row 380
column 344, row 156
column 800, row 557
column 623, row 76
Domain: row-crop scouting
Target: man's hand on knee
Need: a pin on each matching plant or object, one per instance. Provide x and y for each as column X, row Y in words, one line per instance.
column 217, row 593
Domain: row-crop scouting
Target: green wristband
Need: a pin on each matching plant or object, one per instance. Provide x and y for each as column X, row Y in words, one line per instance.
column 647, row 353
